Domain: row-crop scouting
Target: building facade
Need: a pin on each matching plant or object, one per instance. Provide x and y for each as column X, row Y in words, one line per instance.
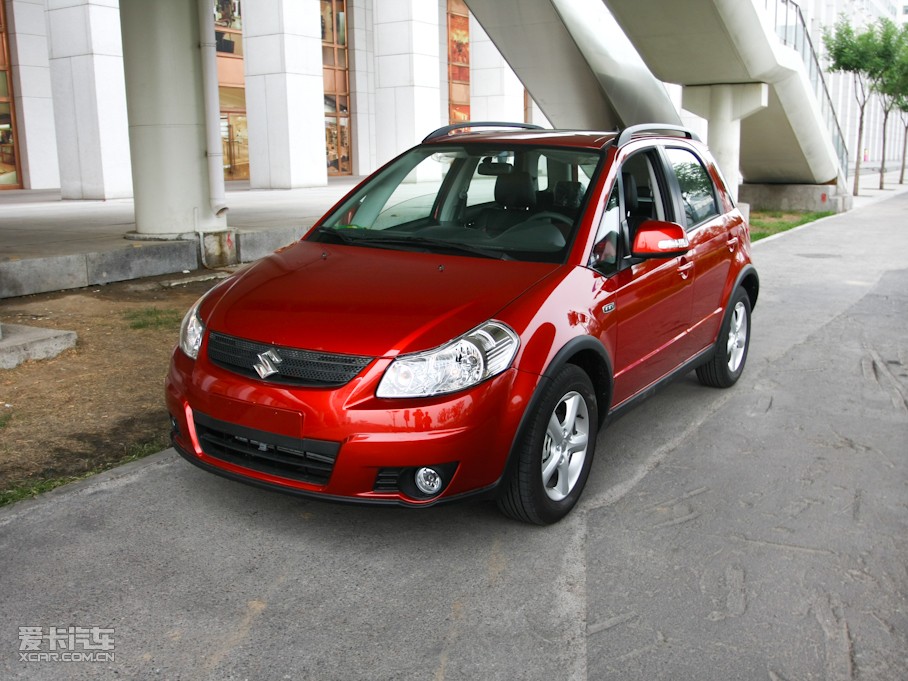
column 308, row 89
column 379, row 74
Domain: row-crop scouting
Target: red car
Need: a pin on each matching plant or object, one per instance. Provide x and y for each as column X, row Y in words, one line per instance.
column 464, row 320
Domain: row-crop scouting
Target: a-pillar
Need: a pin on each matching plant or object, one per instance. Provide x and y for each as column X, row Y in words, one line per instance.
column 724, row 106
column 407, row 80
column 167, row 133
column 285, row 94
column 86, row 67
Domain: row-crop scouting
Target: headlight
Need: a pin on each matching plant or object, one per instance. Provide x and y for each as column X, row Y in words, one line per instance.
column 191, row 331
column 480, row 354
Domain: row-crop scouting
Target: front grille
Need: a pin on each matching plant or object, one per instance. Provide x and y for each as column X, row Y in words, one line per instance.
column 295, row 367
column 288, row 457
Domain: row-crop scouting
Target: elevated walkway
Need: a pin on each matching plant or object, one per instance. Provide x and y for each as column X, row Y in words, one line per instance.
column 599, row 63
column 576, row 62
column 716, row 42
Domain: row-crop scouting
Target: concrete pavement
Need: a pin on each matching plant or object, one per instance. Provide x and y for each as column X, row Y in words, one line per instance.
column 48, row 244
column 759, row 532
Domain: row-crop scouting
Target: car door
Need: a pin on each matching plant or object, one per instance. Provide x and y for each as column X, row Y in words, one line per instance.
column 646, row 304
column 700, row 210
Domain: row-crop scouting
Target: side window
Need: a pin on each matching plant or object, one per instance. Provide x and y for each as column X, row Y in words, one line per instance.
column 638, row 195
column 604, row 257
column 698, row 195
column 542, row 173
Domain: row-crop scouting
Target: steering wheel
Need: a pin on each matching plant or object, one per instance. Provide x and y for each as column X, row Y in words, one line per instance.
column 552, row 215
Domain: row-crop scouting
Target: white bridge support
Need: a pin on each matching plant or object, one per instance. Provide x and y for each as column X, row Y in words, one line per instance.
column 575, row 62
column 724, row 106
column 714, row 42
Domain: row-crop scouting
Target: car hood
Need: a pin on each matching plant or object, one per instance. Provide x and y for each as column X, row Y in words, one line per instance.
column 365, row 301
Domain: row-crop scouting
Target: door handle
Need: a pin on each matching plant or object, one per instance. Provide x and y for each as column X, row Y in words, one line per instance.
column 684, row 270
column 731, row 243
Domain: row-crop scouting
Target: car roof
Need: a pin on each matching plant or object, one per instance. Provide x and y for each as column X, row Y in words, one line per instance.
column 550, row 138
column 523, row 133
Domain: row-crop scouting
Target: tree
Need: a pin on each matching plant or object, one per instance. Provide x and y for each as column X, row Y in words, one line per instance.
column 903, row 109
column 857, row 54
column 889, row 83
column 901, row 99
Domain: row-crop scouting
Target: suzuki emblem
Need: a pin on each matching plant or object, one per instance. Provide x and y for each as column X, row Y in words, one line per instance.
column 267, row 364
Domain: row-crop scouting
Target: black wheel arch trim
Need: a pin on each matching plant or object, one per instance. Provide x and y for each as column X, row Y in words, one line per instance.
column 602, row 384
column 753, row 289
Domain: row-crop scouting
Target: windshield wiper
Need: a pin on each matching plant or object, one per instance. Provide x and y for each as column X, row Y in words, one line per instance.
column 380, row 239
column 342, row 235
column 427, row 242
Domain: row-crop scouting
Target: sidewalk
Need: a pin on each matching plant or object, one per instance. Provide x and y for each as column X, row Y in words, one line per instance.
column 48, row 244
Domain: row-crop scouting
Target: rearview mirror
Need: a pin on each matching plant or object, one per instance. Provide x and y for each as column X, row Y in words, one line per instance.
column 490, row 168
column 659, row 239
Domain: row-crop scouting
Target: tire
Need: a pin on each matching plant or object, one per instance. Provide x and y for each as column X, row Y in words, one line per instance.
column 727, row 362
column 555, row 453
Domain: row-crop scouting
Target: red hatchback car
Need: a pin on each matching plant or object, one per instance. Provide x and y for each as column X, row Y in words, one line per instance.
column 464, row 320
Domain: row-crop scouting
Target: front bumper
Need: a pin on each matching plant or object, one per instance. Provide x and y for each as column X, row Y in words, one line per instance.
column 344, row 444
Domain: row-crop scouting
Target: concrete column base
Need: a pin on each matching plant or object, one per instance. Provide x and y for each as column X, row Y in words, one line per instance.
column 795, row 197
column 216, row 249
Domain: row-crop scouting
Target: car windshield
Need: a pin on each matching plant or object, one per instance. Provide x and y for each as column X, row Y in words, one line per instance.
column 517, row 203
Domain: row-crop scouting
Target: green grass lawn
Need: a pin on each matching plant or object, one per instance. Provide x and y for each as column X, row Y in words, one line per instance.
column 764, row 223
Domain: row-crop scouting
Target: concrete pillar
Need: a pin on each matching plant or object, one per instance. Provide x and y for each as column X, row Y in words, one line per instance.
column 407, row 82
column 284, row 94
column 496, row 94
column 86, row 67
column 166, row 119
column 724, row 106
column 34, row 102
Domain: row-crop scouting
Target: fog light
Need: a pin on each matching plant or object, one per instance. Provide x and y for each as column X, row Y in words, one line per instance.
column 428, row 480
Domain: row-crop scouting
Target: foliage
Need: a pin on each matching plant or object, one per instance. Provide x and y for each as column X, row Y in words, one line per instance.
column 852, row 52
column 875, row 57
column 153, row 318
column 765, row 223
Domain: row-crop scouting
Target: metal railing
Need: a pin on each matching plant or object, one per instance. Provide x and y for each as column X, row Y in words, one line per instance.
column 792, row 31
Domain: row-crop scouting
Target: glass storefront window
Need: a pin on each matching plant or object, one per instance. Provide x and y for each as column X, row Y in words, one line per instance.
column 337, row 86
column 9, row 156
column 228, row 33
column 234, row 133
column 458, row 62
column 228, row 27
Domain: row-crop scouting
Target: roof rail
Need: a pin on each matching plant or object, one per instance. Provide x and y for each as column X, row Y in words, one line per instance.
column 629, row 133
column 443, row 132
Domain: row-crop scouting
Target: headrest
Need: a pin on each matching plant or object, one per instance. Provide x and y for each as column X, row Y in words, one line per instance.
column 630, row 193
column 515, row 190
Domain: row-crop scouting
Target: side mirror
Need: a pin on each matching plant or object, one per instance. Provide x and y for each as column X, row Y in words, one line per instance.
column 658, row 239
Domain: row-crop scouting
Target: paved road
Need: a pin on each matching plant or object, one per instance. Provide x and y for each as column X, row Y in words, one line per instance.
column 755, row 533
